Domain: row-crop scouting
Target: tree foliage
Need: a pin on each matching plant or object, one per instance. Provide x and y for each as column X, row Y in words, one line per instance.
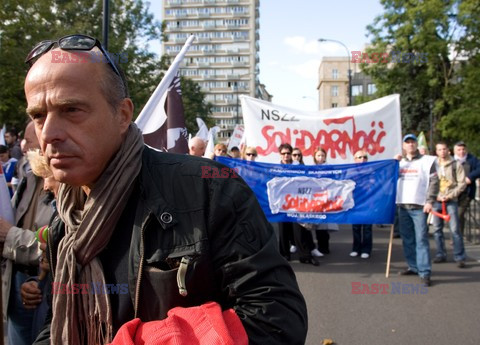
column 23, row 23
column 436, row 44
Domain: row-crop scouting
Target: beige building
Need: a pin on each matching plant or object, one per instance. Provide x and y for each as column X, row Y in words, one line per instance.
column 224, row 57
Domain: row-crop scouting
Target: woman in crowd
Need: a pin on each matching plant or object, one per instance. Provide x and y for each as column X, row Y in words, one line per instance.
column 321, row 230
column 297, row 156
column 250, row 153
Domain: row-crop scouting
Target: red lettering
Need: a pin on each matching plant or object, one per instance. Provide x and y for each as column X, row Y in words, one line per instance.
column 375, row 57
column 334, row 141
column 206, row 171
column 55, row 288
column 84, row 289
column 356, row 288
column 215, row 173
column 365, row 289
column 384, row 288
column 74, row 58
column 365, row 58
column 385, row 57
column 224, row 172
column 374, row 290
column 234, row 172
column 65, row 57
column 83, row 56
column 356, row 56
column 56, row 56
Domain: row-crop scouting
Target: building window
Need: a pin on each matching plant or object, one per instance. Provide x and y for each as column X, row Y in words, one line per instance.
column 334, row 90
column 357, row 90
column 334, row 105
column 371, row 89
column 334, row 73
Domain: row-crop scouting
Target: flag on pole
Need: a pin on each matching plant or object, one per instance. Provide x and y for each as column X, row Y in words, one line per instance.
column 422, row 142
column 162, row 120
column 2, row 136
column 202, row 130
column 6, row 211
column 212, row 134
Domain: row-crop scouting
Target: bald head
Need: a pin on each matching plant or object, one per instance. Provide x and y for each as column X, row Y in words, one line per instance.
column 78, row 129
column 196, row 147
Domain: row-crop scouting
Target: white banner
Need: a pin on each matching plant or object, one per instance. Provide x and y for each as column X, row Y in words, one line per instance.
column 373, row 126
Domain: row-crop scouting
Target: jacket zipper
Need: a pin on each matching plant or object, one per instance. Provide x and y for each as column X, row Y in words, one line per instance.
column 181, row 274
column 140, row 267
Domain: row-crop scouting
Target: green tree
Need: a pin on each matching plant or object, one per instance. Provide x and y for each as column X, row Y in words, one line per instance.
column 431, row 36
column 23, row 23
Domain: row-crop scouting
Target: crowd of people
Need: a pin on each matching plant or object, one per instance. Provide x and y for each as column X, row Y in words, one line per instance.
column 120, row 214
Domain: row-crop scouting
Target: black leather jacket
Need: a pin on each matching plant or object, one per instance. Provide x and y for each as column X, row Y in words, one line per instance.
column 198, row 239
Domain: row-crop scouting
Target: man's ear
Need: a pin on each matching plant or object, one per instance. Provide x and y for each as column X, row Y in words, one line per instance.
column 125, row 114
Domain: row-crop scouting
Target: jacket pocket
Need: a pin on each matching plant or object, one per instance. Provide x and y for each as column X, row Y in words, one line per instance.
column 182, row 281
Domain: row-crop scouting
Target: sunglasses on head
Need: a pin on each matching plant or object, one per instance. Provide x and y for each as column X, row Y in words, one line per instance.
column 70, row 42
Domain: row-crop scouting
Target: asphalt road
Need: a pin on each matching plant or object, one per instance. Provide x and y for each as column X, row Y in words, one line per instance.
column 448, row 312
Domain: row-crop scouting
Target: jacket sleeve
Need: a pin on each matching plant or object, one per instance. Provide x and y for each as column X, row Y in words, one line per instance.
column 474, row 169
column 256, row 281
column 21, row 246
column 460, row 182
column 433, row 185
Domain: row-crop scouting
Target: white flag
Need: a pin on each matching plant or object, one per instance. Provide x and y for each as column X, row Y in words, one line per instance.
column 212, row 133
column 202, row 130
column 153, row 115
column 6, row 211
column 2, row 136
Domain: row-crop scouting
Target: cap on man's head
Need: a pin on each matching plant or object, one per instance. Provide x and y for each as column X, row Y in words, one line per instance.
column 460, row 143
column 410, row 136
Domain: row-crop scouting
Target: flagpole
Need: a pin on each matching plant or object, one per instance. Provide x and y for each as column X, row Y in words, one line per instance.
column 389, row 256
column 144, row 118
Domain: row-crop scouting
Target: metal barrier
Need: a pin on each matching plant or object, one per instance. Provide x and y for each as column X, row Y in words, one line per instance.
column 472, row 220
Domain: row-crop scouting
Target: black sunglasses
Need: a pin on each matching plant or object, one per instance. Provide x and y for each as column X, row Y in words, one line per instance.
column 70, row 42
column 361, row 157
column 251, row 154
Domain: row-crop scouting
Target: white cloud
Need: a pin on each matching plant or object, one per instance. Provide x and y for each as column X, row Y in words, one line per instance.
column 301, row 45
column 307, row 69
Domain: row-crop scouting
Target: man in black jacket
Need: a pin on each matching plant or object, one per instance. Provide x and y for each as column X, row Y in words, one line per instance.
column 146, row 220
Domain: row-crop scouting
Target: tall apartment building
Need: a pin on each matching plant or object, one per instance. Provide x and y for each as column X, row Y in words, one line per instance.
column 224, row 57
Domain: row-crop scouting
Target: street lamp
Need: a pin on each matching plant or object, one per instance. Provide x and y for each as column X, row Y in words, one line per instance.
column 349, row 70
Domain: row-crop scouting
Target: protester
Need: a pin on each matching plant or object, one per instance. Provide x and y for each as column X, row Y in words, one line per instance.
column 322, row 230
column 250, row 153
column 452, row 183
column 235, row 152
column 36, row 289
column 416, row 192
column 362, row 233
column 302, row 236
column 197, row 146
column 8, row 166
column 471, row 165
column 13, row 143
column 297, row 156
column 190, row 240
column 285, row 229
column 32, row 211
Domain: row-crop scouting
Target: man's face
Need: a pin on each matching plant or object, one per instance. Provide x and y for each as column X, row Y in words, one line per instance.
column 286, row 156
column 441, row 150
column 410, row 146
column 460, row 151
column 78, row 131
column 9, row 138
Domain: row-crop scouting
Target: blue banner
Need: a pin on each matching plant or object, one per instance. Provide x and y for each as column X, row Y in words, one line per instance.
column 360, row 193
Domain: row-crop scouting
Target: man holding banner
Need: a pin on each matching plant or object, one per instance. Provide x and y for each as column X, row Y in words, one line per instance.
column 416, row 192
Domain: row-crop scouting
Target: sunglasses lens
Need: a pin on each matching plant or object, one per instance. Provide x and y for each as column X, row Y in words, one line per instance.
column 76, row 42
column 39, row 49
